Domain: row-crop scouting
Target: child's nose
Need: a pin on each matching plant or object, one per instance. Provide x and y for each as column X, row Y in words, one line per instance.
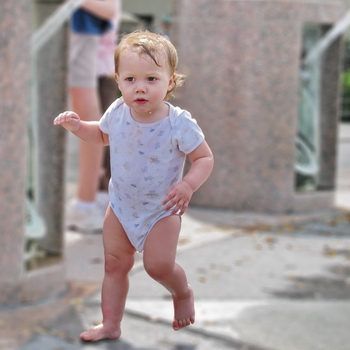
column 140, row 88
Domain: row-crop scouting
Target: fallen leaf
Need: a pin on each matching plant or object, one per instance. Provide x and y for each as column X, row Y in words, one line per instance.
column 270, row 240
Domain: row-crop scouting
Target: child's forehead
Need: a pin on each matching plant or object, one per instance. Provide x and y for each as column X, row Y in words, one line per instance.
column 135, row 53
column 139, row 51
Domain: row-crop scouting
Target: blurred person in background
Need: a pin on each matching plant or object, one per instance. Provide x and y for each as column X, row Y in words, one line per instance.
column 92, row 88
column 166, row 26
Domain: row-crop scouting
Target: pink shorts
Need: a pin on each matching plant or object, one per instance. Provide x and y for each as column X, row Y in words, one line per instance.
column 82, row 60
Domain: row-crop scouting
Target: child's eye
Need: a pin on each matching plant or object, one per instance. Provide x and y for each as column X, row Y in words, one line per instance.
column 129, row 79
column 152, row 79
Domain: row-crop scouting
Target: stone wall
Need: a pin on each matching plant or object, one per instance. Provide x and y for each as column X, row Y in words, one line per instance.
column 17, row 284
column 242, row 61
column 14, row 114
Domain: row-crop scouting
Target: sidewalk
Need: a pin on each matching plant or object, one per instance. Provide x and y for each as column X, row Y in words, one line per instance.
column 261, row 283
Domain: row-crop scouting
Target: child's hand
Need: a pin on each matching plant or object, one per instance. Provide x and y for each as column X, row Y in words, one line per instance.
column 178, row 197
column 69, row 120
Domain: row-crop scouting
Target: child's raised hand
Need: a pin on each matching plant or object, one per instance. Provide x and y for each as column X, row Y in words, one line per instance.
column 178, row 198
column 69, row 120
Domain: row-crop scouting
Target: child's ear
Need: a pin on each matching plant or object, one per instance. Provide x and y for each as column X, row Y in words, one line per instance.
column 171, row 81
column 116, row 78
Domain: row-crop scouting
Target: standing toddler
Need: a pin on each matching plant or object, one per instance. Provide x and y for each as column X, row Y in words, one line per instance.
column 149, row 140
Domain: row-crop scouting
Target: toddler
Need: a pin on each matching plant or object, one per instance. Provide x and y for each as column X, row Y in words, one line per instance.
column 149, row 140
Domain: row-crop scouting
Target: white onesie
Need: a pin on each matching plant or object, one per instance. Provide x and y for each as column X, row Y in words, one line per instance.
column 146, row 161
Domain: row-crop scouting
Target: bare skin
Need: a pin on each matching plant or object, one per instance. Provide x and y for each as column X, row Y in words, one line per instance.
column 100, row 332
column 159, row 262
column 144, row 84
column 159, row 248
column 85, row 103
column 119, row 259
column 184, row 312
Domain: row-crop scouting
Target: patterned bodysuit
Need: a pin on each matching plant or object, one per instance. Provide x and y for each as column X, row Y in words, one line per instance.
column 146, row 161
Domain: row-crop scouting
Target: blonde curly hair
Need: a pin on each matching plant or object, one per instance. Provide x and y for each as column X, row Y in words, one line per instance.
column 151, row 44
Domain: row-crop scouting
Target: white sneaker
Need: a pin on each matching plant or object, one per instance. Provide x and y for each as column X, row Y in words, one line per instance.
column 84, row 220
column 102, row 200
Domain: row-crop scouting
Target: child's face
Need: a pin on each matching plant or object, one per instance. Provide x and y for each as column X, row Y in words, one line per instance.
column 144, row 85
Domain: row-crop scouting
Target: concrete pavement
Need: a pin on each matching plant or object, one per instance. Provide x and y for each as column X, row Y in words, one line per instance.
column 283, row 288
column 261, row 283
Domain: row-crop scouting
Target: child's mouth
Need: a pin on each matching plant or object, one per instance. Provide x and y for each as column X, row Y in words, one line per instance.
column 140, row 101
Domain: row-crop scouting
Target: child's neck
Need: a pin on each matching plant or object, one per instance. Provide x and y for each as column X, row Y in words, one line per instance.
column 151, row 116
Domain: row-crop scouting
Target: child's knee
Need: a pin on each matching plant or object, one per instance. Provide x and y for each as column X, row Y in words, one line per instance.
column 158, row 270
column 118, row 264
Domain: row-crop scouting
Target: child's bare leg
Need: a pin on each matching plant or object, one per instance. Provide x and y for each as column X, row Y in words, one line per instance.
column 159, row 261
column 119, row 259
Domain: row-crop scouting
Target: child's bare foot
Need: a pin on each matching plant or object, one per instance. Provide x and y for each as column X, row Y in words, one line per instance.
column 100, row 332
column 184, row 311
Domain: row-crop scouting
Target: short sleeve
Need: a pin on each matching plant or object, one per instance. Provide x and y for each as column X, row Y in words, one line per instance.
column 187, row 134
column 106, row 119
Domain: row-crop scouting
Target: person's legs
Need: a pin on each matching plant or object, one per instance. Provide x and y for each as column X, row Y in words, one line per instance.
column 85, row 212
column 108, row 91
column 119, row 259
column 85, row 102
column 159, row 262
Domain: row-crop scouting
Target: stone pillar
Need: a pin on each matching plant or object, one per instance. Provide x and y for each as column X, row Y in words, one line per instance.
column 50, row 69
column 14, row 114
column 242, row 60
column 329, row 107
column 17, row 284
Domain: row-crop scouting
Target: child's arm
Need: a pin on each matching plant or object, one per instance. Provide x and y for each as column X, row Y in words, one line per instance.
column 202, row 162
column 87, row 131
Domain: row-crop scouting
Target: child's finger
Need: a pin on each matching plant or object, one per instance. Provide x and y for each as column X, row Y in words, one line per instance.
column 169, row 205
column 180, row 208
column 64, row 117
column 59, row 119
column 56, row 121
column 167, row 199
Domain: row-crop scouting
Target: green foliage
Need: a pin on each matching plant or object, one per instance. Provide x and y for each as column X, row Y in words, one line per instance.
column 345, row 84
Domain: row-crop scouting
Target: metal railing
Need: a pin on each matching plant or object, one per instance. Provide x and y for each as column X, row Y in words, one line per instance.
column 306, row 162
column 36, row 227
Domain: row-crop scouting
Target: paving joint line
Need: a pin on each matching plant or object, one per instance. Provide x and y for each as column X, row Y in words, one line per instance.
column 238, row 344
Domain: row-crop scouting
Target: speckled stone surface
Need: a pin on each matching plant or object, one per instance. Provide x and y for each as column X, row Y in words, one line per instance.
column 14, row 111
column 16, row 284
column 242, row 63
column 51, row 68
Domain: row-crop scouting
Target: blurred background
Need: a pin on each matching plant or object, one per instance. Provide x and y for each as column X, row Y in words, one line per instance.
column 268, row 81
